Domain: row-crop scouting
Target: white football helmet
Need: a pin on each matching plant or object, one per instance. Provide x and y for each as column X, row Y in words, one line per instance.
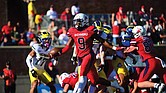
column 80, row 20
column 63, row 76
column 138, row 31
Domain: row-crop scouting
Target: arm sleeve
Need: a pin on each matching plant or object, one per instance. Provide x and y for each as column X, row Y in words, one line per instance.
column 65, row 49
column 29, row 62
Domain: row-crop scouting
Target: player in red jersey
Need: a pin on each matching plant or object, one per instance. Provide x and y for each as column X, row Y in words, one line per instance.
column 68, row 81
column 83, row 35
column 154, row 65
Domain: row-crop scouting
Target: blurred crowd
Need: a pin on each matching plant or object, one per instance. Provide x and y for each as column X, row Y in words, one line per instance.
column 14, row 34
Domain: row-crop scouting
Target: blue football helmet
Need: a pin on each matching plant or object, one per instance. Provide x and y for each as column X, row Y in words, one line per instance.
column 129, row 30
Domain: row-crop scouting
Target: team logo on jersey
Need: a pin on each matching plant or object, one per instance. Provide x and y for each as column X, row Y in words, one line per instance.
column 119, row 65
column 81, row 34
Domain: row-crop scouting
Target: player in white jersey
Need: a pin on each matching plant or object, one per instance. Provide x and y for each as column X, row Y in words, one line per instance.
column 36, row 61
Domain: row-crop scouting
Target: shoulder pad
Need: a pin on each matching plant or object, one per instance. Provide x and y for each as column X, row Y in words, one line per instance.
column 31, row 44
column 91, row 28
column 35, row 46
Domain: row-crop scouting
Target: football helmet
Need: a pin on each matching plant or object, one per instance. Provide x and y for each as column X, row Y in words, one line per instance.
column 45, row 39
column 107, row 29
column 129, row 30
column 138, row 31
column 80, row 20
column 107, row 33
column 63, row 76
column 98, row 24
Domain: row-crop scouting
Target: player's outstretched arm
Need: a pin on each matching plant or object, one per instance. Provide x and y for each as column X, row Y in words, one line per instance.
column 130, row 49
column 106, row 44
column 56, row 52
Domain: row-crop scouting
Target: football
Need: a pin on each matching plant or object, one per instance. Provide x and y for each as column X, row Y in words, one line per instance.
column 54, row 52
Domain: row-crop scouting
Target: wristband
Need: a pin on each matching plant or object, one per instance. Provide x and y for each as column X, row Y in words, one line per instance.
column 114, row 47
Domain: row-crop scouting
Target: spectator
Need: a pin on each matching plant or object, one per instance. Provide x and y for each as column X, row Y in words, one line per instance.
column 53, row 72
column 23, row 39
column 1, row 37
column 63, row 38
column 22, row 42
column 52, row 14
column 120, row 16
column 7, row 29
column 161, row 32
column 29, row 35
column 38, row 21
column 142, row 11
column 19, row 28
column 31, row 14
column 142, row 16
column 163, row 20
column 115, row 30
column 131, row 19
column 66, row 17
column 151, row 14
column 75, row 9
column 52, row 29
column 60, row 31
column 159, row 27
column 9, row 77
column 155, row 37
column 5, row 42
column 15, row 36
column 148, row 28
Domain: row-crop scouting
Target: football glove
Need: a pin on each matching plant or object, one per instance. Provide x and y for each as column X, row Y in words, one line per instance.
column 74, row 60
column 34, row 73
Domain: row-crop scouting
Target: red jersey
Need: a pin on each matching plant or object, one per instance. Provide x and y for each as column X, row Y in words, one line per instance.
column 7, row 29
column 115, row 30
column 10, row 74
column 83, row 40
column 71, row 80
column 145, row 47
column 65, row 16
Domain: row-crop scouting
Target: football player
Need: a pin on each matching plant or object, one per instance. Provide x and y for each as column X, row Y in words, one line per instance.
column 36, row 62
column 83, row 35
column 154, row 65
column 68, row 81
column 105, row 33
